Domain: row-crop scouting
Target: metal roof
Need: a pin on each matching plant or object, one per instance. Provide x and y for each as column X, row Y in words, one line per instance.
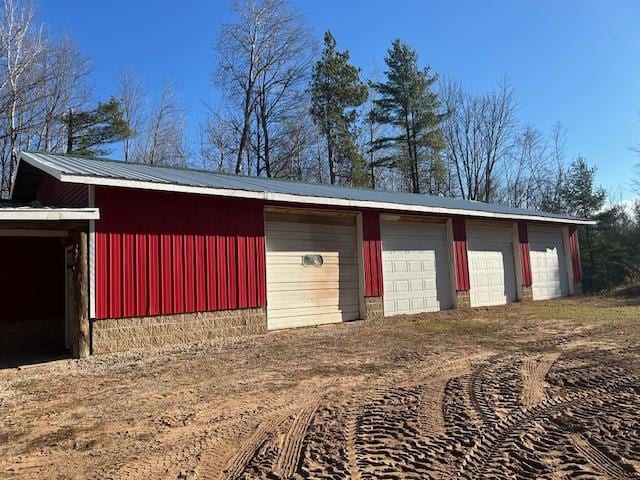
column 94, row 171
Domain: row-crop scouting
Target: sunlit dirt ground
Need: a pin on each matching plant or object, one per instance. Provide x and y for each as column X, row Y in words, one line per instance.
column 542, row 390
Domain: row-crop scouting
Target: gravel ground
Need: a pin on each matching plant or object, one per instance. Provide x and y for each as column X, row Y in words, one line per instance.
column 542, row 390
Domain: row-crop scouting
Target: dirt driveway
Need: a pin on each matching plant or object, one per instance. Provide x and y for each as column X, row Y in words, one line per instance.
column 545, row 390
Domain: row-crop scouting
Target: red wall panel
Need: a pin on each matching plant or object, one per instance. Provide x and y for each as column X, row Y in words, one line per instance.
column 525, row 257
column 165, row 253
column 575, row 254
column 460, row 254
column 372, row 253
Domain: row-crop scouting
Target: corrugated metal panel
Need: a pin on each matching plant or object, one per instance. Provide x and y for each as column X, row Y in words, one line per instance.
column 54, row 193
column 575, row 254
column 525, row 256
column 111, row 169
column 372, row 253
column 460, row 254
column 164, row 253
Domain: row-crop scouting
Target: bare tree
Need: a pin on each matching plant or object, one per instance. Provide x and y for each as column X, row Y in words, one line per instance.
column 22, row 44
column 262, row 60
column 529, row 171
column 131, row 91
column 217, row 142
column 635, row 181
column 553, row 189
column 63, row 72
column 478, row 136
column 41, row 78
column 164, row 141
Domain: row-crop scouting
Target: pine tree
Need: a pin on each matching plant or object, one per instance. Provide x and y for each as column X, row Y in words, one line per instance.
column 583, row 199
column 336, row 92
column 88, row 132
column 407, row 103
column 581, row 196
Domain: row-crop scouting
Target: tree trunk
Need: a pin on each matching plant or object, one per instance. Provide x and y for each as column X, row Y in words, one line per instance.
column 332, row 172
column 81, row 340
column 70, row 132
column 244, row 137
column 265, row 141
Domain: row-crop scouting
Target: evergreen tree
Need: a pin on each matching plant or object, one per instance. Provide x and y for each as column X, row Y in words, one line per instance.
column 88, row 132
column 581, row 196
column 336, row 92
column 583, row 199
column 614, row 241
column 407, row 103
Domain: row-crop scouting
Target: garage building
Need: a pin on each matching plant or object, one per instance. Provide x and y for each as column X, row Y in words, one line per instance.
column 120, row 255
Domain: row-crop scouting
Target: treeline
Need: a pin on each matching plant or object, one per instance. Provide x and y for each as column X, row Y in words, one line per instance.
column 294, row 107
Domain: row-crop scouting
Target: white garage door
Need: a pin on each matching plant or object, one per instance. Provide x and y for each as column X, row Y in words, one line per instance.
column 415, row 267
column 312, row 270
column 491, row 269
column 548, row 267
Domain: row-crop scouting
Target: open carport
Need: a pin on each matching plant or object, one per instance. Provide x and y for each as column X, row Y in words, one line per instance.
column 43, row 281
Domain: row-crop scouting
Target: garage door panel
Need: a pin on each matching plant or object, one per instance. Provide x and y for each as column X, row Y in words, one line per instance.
column 320, row 297
column 341, row 272
column 310, row 286
column 313, row 319
column 415, row 267
column 317, row 245
column 315, row 310
column 299, row 295
column 328, row 258
column 286, row 227
column 491, row 265
column 548, row 267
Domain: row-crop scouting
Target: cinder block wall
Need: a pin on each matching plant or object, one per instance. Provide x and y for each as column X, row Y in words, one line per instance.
column 114, row 335
column 374, row 308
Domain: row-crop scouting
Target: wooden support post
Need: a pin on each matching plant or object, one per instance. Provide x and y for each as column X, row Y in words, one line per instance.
column 80, row 286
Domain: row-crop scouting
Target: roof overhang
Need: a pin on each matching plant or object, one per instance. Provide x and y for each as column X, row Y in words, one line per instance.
column 48, row 214
column 289, row 198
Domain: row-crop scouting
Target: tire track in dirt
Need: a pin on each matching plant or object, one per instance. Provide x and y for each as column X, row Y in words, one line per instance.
column 183, row 448
column 598, row 459
column 351, row 448
column 534, row 372
column 477, row 396
column 238, row 463
column 492, row 440
column 430, row 414
column 291, row 446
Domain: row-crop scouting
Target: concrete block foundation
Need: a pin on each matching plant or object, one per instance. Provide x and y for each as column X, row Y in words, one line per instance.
column 463, row 299
column 527, row 294
column 115, row 335
column 374, row 308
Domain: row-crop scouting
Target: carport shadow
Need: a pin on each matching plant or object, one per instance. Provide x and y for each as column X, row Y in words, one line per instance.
column 27, row 359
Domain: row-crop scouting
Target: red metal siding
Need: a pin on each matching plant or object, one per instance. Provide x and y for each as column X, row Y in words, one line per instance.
column 372, row 254
column 575, row 254
column 460, row 254
column 525, row 257
column 54, row 193
column 165, row 253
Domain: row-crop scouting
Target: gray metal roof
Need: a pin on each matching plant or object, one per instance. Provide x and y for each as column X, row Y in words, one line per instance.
column 90, row 170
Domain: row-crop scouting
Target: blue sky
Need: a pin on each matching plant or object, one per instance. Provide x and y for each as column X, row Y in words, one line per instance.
column 571, row 61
